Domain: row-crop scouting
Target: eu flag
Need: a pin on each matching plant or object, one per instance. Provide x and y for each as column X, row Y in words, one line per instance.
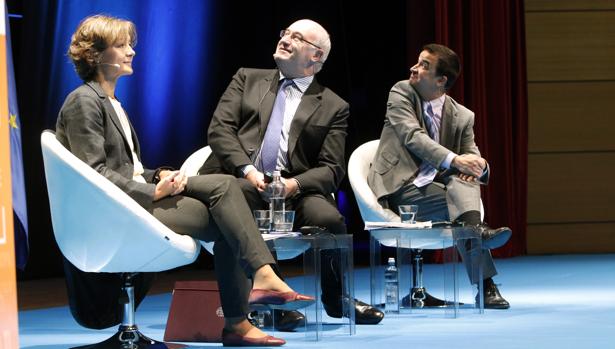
column 20, row 212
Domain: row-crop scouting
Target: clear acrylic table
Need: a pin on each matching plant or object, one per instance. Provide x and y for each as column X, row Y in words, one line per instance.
column 455, row 288
column 311, row 246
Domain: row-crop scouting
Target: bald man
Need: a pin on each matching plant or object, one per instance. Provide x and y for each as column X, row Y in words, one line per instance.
column 283, row 119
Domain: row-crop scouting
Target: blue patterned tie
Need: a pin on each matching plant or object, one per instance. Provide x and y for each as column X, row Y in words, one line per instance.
column 432, row 123
column 426, row 172
column 271, row 142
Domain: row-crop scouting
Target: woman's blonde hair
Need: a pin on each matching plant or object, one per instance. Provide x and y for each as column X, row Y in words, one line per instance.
column 92, row 36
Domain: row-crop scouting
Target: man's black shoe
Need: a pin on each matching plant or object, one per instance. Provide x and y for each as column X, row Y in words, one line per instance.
column 285, row 321
column 492, row 297
column 365, row 314
column 429, row 302
column 493, row 238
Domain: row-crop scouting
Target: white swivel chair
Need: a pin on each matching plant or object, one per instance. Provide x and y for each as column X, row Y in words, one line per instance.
column 358, row 169
column 371, row 211
column 101, row 229
column 191, row 167
column 195, row 161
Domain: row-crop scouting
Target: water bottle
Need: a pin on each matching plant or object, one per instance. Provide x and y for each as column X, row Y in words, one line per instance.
column 276, row 190
column 391, row 288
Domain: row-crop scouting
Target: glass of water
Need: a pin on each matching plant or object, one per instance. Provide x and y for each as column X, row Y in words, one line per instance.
column 283, row 221
column 408, row 213
column 263, row 220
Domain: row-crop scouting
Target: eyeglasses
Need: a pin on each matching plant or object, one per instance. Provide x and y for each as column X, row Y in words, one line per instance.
column 295, row 36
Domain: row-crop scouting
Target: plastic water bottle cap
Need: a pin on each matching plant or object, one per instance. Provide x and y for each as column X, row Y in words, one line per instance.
column 391, row 260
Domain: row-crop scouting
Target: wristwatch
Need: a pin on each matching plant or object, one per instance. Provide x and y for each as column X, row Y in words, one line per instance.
column 299, row 187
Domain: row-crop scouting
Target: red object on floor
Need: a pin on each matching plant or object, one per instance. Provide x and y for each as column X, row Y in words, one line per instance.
column 196, row 314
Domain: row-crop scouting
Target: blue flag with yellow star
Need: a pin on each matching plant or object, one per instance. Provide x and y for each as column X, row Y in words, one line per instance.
column 20, row 212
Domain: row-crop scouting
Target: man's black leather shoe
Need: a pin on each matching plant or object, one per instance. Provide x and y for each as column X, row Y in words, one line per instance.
column 285, row 321
column 365, row 314
column 492, row 297
column 493, row 238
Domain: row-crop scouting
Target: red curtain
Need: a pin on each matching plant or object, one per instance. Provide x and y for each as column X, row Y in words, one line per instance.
column 489, row 37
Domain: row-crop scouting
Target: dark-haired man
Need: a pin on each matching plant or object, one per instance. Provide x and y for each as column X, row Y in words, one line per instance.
column 427, row 156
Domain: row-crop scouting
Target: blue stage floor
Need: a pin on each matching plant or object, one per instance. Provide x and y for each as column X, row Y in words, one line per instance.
column 557, row 302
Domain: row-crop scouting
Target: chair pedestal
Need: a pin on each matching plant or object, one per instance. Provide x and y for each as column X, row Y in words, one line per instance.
column 128, row 335
column 418, row 296
column 417, row 293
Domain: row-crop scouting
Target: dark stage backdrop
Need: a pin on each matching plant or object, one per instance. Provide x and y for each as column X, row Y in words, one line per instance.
column 187, row 52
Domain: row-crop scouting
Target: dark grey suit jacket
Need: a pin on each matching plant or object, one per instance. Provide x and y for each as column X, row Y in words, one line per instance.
column 316, row 139
column 89, row 128
column 405, row 142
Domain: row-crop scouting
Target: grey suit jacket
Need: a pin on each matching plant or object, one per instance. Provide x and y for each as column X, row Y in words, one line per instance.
column 405, row 142
column 88, row 126
column 316, row 139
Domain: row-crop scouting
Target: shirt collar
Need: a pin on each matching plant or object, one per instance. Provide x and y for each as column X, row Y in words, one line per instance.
column 301, row 83
column 436, row 104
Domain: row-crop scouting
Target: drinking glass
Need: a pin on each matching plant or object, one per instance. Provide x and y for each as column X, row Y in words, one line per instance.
column 263, row 220
column 283, row 221
column 407, row 213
